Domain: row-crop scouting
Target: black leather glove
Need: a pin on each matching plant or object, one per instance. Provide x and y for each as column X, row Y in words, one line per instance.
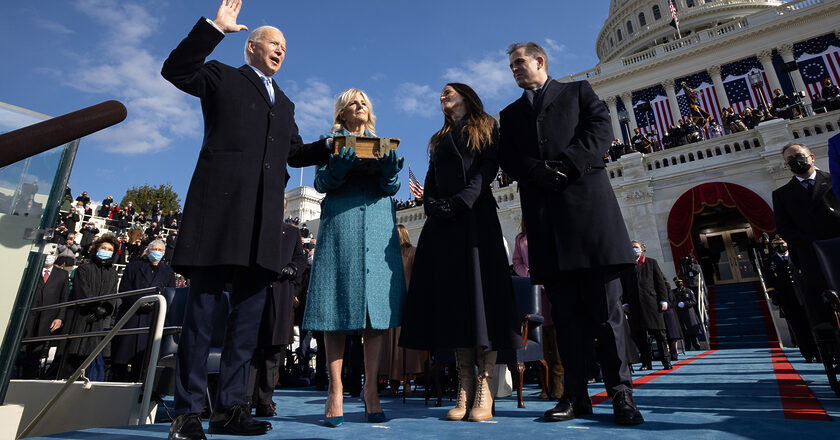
column 288, row 272
column 550, row 175
column 100, row 312
column 442, row 208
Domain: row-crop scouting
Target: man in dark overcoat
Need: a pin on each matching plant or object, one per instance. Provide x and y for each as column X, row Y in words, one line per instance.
column 684, row 302
column 552, row 142
column 805, row 210
column 233, row 211
column 277, row 321
column 644, row 306
column 53, row 287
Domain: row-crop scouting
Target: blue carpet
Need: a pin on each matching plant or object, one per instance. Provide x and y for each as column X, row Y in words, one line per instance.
column 727, row 394
column 738, row 315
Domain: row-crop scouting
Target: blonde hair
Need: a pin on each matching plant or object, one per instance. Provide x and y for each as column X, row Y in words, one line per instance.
column 343, row 101
column 405, row 239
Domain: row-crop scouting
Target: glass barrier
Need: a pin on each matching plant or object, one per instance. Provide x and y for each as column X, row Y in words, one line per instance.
column 31, row 192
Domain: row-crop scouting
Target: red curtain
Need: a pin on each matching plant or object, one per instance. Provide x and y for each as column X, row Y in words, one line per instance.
column 730, row 195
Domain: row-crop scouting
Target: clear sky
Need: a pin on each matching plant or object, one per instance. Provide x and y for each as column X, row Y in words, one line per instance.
column 63, row 55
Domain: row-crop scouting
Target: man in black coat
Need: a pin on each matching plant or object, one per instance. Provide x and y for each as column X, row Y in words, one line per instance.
column 53, row 288
column 233, row 210
column 276, row 324
column 644, row 306
column 806, row 210
column 552, row 142
column 684, row 302
column 785, row 288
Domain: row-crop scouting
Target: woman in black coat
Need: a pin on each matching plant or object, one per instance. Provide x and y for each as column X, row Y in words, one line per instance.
column 96, row 277
column 672, row 324
column 128, row 352
column 461, row 295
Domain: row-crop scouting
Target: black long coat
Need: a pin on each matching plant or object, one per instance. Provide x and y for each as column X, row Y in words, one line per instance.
column 138, row 275
column 55, row 290
column 572, row 125
column 686, row 314
column 672, row 321
column 645, row 311
column 803, row 216
column 278, row 313
column 461, row 293
column 89, row 281
column 234, row 205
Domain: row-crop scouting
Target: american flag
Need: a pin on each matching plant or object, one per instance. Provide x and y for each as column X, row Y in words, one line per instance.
column 818, row 59
column 736, row 83
column 673, row 9
column 660, row 116
column 414, row 185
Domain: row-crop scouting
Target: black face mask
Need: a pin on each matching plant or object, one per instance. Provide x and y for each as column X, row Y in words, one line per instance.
column 799, row 164
column 781, row 249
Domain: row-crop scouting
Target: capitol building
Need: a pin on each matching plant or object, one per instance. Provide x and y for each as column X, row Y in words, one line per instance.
column 710, row 198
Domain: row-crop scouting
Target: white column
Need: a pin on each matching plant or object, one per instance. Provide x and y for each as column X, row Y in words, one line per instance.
column 720, row 91
column 765, row 57
column 616, row 124
column 786, row 51
column 673, row 105
column 627, row 99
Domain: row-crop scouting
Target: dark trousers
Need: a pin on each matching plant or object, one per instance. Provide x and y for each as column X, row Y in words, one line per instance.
column 798, row 323
column 320, row 359
column 265, row 367
column 586, row 305
column 247, row 299
column 640, row 337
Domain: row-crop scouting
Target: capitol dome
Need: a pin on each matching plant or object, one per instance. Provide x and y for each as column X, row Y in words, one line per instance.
column 637, row 25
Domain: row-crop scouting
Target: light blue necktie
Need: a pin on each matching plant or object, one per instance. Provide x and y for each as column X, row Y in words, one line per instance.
column 270, row 88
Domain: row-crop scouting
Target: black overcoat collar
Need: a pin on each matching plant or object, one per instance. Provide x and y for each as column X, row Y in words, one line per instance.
column 255, row 79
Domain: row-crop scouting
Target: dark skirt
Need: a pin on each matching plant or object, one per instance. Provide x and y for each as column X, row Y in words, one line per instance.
column 461, row 294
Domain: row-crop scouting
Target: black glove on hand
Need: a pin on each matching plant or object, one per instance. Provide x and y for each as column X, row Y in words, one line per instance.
column 288, row 272
column 444, row 208
column 549, row 175
column 341, row 163
column 100, row 312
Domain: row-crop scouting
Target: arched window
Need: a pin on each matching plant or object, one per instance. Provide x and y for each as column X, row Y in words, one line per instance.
column 642, row 19
column 629, row 27
column 618, row 34
column 657, row 14
column 689, row 3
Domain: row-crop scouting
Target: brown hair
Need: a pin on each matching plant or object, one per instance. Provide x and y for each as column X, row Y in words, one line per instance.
column 405, row 239
column 532, row 49
column 480, row 128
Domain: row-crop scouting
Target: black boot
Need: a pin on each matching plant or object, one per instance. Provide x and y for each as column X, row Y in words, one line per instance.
column 624, row 409
column 186, row 427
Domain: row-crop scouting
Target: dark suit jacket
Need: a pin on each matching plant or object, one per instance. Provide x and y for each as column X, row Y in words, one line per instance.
column 643, row 296
column 234, row 207
column 580, row 227
column 803, row 216
column 56, row 290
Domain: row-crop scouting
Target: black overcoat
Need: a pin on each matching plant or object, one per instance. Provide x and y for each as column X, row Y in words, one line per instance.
column 672, row 322
column 686, row 314
column 278, row 313
column 89, row 281
column 55, row 290
column 803, row 216
column 645, row 311
column 461, row 293
column 580, row 227
column 234, row 205
column 138, row 275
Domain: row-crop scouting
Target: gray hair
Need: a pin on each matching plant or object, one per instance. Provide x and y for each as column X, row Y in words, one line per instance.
column 256, row 35
column 154, row 242
column 795, row 144
column 532, row 49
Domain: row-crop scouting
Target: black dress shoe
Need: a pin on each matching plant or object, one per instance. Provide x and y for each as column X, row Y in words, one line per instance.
column 667, row 366
column 187, row 427
column 265, row 411
column 645, row 367
column 237, row 421
column 568, row 410
column 624, row 409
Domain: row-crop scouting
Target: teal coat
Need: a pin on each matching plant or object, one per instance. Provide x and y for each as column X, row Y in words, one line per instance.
column 357, row 271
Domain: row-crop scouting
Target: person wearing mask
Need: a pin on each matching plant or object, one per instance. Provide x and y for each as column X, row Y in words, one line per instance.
column 53, row 287
column 128, row 352
column 67, row 251
column 785, row 284
column 644, row 306
column 357, row 281
column 93, row 278
column 461, row 293
column 684, row 301
column 89, row 233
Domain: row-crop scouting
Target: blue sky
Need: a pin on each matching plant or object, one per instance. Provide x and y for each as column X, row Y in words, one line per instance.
column 63, row 55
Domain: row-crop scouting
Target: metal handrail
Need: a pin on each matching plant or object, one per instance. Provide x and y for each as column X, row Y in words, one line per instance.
column 145, row 291
column 150, row 372
column 766, row 296
column 123, row 332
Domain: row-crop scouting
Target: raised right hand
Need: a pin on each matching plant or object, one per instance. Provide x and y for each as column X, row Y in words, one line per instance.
column 226, row 16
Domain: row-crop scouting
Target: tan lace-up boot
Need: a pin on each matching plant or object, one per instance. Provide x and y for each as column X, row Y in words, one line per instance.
column 465, row 363
column 482, row 408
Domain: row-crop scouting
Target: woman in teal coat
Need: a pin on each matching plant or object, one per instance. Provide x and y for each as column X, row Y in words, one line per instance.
column 352, row 287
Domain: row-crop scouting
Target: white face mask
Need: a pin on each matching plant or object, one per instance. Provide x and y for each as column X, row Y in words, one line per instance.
column 49, row 260
column 638, row 252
